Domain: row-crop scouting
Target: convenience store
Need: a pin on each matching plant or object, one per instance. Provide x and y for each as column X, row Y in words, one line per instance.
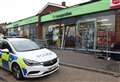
column 92, row 25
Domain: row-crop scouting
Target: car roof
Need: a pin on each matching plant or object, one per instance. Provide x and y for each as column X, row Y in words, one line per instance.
column 16, row 39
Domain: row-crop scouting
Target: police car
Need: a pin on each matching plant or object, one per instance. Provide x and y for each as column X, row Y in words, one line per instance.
column 25, row 59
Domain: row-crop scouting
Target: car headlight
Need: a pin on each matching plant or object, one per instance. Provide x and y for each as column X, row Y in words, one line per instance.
column 32, row 62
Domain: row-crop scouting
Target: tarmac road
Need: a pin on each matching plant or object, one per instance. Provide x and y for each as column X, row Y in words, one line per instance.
column 64, row 74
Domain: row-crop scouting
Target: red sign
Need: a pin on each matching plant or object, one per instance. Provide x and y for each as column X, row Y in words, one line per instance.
column 115, row 3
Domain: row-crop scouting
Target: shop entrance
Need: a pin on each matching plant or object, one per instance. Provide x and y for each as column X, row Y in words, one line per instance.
column 86, row 35
column 69, row 36
column 54, row 36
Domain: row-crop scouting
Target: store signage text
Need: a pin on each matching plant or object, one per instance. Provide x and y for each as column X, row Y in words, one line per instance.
column 115, row 3
column 16, row 25
column 62, row 15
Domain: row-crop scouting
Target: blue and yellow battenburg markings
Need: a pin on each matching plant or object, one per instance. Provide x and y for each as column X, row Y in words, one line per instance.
column 0, row 58
column 6, row 59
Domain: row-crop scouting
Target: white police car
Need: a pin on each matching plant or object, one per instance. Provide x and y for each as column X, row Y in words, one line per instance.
column 24, row 58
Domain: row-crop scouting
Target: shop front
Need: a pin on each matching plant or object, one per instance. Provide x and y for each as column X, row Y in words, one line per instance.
column 28, row 31
column 60, row 33
column 24, row 28
column 93, row 31
column 85, row 26
column 52, row 33
column 96, row 31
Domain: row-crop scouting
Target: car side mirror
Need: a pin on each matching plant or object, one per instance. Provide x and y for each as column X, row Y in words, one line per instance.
column 5, row 50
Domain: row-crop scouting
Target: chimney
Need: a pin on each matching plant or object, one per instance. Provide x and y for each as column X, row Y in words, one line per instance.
column 63, row 3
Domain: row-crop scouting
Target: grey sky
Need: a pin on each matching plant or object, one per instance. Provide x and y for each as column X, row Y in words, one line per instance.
column 12, row 10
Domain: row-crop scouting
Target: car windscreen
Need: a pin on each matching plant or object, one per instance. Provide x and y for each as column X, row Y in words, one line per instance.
column 24, row 45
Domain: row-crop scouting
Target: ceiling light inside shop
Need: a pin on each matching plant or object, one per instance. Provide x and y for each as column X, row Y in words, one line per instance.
column 103, row 20
column 109, row 24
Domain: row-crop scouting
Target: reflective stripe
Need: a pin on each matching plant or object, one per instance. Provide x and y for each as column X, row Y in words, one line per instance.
column 21, row 63
column 24, row 71
column 0, row 61
column 5, row 56
column 5, row 64
column 12, row 57
column 6, row 59
column 0, row 53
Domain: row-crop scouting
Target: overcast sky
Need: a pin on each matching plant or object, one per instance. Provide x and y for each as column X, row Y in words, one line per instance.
column 12, row 10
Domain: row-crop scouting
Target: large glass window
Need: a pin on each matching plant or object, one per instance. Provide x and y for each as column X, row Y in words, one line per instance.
column 96, row 33
column 54, row 36
column 85, row 34
column 105, row 32
column 24, row 45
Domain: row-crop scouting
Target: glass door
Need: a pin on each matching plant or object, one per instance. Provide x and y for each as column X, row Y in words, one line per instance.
column 86, row 35
column 70, row 36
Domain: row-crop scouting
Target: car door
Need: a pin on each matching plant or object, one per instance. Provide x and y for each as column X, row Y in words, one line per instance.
column 5, row 57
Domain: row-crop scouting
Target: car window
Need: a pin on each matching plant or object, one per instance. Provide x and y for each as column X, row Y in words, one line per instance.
column 24, row 45
column 5, row 45
column 1, row 44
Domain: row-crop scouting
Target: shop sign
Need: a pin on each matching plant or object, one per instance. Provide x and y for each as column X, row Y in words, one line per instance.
column 115, row 3
column 16, row 25
column 62, row 15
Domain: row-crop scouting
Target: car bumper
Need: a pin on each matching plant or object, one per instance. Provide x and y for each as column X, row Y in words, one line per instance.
column 40, row 71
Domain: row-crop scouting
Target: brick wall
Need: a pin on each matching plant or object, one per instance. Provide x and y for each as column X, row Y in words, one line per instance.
column 117, row 27
column 39, row 30
column 49, row 9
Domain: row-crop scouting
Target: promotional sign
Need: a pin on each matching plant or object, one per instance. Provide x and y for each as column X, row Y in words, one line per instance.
column 115, row 3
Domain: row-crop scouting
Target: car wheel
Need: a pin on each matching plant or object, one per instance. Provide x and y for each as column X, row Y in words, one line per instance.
column 17, row 73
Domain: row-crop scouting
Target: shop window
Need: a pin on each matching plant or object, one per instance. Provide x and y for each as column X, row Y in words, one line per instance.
column 54, row 36
column 105, row 33
column 96, row 33
column 85, row 35
column 5, row 45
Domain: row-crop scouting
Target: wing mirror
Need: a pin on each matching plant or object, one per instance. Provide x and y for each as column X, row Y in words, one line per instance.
column 5, row 50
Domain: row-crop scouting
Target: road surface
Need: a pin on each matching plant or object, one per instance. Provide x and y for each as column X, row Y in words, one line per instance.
column 64, row 74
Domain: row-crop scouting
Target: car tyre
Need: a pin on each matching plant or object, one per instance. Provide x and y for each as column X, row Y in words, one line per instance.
column 17, row 73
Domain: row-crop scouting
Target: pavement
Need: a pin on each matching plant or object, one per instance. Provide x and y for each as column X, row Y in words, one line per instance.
column 88, row 61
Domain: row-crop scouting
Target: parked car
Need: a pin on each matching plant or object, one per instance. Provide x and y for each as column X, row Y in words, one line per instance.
column 25, row 59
